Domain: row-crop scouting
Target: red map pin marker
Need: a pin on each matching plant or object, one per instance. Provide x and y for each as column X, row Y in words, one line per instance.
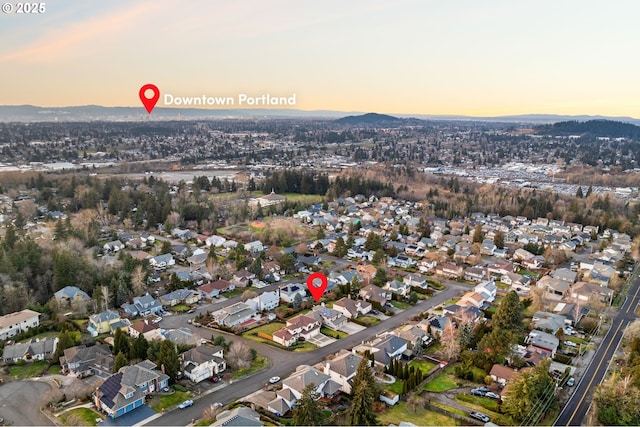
column 317, row 283
column 149, row 103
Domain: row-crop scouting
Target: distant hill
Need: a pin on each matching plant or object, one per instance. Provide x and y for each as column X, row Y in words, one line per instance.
column 369, row 119
column 596, row 128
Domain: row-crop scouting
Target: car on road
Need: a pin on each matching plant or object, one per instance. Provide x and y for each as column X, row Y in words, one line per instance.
column 479, row 416
column 492, row 395
column 191, row 310
column 185, row 404
column 274, row 380
column 157, row 319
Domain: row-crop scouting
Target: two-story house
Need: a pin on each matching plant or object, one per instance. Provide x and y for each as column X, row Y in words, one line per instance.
column 13, row 323
column 305, row 326
column 343, row 368
column 106, row 322
column 142, row 306
column 82, row 361
column 203, row 362
column 352, row 308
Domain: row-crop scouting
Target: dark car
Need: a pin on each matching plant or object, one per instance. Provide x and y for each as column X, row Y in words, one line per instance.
column 479, row 416
column 477, row 392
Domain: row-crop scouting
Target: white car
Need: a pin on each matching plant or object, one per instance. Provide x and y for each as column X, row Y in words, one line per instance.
column 274, row 380
column 185, row 404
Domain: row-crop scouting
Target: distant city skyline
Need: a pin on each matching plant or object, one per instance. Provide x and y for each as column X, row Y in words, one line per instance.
column 407, row 57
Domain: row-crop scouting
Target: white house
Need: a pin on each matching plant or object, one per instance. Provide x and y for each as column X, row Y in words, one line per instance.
column 352, row 308
column 342, row 368
column 266, row 301
column 234, row 314
column 13, row 323
column 162, row 261
column 203, row 362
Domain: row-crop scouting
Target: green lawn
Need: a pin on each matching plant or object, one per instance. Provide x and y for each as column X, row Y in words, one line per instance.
column 396, row 387
column 423, row 365
column 238, row 291
column 164, row 401
column 368, row 320
column 485, row 402
column 450, row 409
column 498, row 418
column 180, row 308
column 400, row 305
column 256, row 365
column 420, row 417
column 80, row 417
column 27, row 370
column 54, row 369
column 442, row 382
column 333, row 334
column 269, row 329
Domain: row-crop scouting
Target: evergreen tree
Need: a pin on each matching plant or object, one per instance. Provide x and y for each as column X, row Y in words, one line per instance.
column 121, row 360
column 65, row 340
column 364, row 392
column 139, row 348
column 120, row 342
column 478, row 235
column 508, row 315
column 340, row 248
column 168, row 356
column 579, row 193
column 307, row 412
column 405, row 388
column 498, row 240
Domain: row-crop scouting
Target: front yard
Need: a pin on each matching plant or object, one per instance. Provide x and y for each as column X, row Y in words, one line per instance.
column 442, row 382
column 80, row 417
column 257, row 364
column 420, row 417
column 27, row 370
column 367, row 320
column 164, row 401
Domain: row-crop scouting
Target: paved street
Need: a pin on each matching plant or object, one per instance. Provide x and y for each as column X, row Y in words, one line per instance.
column 284, row 362
column 576, row 408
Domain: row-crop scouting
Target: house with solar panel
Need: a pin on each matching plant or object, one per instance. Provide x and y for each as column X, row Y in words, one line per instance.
column 125, row 390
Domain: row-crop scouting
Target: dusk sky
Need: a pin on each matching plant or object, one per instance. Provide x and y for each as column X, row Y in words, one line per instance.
column 413, row 57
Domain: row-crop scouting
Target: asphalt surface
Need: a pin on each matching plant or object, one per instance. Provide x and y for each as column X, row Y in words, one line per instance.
column 283, row 362
column 20, row 403
column 574, row 412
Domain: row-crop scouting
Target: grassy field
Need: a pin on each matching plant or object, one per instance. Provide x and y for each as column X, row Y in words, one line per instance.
column 450, row 409
column 79, row 417
column 164, row 401
column 368, row 320
column 306, row 199
column 442, row 382
column 54, row 369
column 180, row 308
column 256, row 365
column 238, row 291
column 420, row 417
column 269, row 329
column 400, row 305
column 422, row 364
column 500, row 419
column 485, row 402
column 27, row 370
column 333, row 334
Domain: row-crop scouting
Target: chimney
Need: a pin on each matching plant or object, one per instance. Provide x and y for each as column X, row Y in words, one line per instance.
column 326, row 368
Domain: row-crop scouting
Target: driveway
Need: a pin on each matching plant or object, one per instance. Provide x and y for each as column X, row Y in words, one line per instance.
column 352, row 328
column 132, row 418
column 321, row 340
column 20, row 403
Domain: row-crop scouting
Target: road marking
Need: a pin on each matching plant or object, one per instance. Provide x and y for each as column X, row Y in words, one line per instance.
column 617, row 329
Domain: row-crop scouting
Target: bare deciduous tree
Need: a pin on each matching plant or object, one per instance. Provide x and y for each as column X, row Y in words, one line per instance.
column 239, row 355
column 137, row 280
column 450, row 341
column 247, row 295
column 210, row 413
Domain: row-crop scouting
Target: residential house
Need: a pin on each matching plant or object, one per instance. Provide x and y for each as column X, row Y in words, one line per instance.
column 267, row 200
column 288, row 292
column 501, row 267
column 82, row 361
column 106, row 322
column 502, row 374
column 547, row 343
column 343, row 368
column 366, row 271
column 215, row 241
column 466, row 313
column 332, row 319
column 585, row 291
column 554, row 287
column 13, row 323
column 374, row 294
column 487, row 289
column 208, row 291
column 415, row 336
column 266, row 301
column 71, row 295
column 474, row 274
column 203, row 362
column 304, row 325
column 162, row 261
column 564, row 274
column 254, row 247
column 243, row 278
column 414, row 280
column 304, row 375
column 389, row 347
column 450, row 270
column 145, row 327
column 34, row 349
column 550, row 322
column 180, row 296
column 471, row 299
column 180, row 336
column 223, row 286
column 113, row 246
column 352, row 308
column 398, row 288
column 438, row 324
column 522, row 255
column 125, row 391
column 145, row 305
column 240, row 416
column 234, row 315
column 515, row 280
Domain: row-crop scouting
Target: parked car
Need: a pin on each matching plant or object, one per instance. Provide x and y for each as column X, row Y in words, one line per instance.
column 166, row 389
column 571, row 382
column 492, row 395
column 157, row 319
column 185, row 404
column 274, row 380
column 477, row 392
column 191, row 310
column 479, row 416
